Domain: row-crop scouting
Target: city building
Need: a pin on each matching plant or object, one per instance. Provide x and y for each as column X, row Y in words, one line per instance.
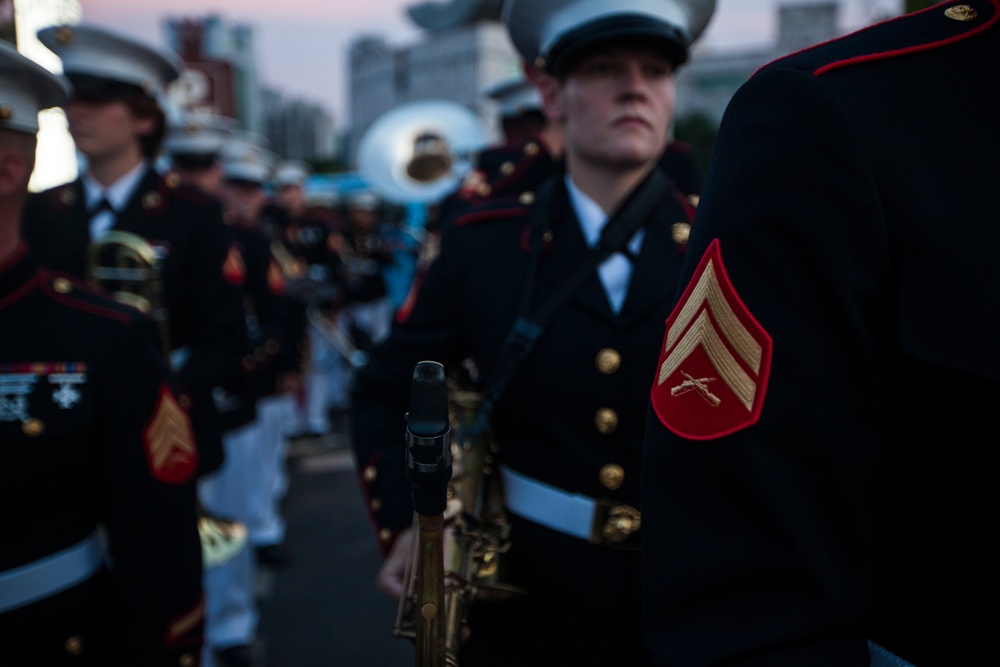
column 297, row 129
column 221, row 76
column 709, row 81
column 465, row 48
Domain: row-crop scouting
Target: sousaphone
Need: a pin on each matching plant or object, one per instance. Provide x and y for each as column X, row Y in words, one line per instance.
column 419, row 152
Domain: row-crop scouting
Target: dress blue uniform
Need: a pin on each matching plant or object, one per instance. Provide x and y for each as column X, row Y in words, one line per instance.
column 100, row 562
column 205, row 310
column 820, row 465
column 93, row 434
column 572, row 418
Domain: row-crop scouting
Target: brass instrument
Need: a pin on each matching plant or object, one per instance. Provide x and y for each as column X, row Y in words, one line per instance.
column 419, row 152
column 126, row 265
column 476, row 534
column 337, row 337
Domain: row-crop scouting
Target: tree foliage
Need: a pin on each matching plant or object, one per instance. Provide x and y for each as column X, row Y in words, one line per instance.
column 699, row 131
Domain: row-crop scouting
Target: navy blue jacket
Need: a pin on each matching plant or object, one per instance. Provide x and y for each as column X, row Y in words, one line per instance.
column 852, row 200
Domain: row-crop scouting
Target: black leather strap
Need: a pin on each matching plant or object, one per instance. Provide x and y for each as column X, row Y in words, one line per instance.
column 526, row 330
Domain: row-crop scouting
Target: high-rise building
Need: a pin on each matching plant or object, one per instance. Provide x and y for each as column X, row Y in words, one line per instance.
column 221, row 66
column 465, row 49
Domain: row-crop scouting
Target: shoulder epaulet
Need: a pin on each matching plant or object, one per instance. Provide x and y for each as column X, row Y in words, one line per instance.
column 505, row 208
column 74, row 293
column 60, row 196
column 171, row 185
column 925, row 30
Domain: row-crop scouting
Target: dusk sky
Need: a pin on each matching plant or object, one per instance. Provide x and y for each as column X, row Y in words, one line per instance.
column 301, row 45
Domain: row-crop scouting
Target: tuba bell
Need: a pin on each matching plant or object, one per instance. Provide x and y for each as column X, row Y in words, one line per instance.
column 127, row 266
column 419, row 152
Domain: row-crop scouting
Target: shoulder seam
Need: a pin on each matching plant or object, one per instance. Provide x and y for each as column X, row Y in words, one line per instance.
column 490, row 214
column 77, row 303
column 883, row 54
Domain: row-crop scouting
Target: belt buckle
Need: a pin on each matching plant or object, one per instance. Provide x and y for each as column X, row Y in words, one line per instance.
column 614, row 523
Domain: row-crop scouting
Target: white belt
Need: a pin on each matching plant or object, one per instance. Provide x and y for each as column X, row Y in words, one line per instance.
column 53, row 574
column 597, row 521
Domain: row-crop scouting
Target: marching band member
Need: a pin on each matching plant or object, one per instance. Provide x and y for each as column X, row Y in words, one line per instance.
column 100, row 561
column 117, row 125
column 820, row 482
column 597, row 241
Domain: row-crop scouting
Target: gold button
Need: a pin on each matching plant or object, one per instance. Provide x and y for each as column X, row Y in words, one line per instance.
column 186, row 660
column 173, row 181
column 961, row 13
column 184, row 400
column 62, row 285
column 151, row 200
column 527, row 198
column 6, row 113
column 540, row 63
column 64, row 35
column 370, row 474
column 74, row 646
column 547, row 237
column 507, row 168
column 612, row 477
column 608, row 361
column 67, row 196
column 484, row 190
column 384, row 535
column 376, row 505
column 606, row 421
column 531, row 148
column 33, row 427
column 680, row 232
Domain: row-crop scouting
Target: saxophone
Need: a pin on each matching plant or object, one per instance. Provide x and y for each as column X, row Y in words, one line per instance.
column 474, row 533
column 127, row 266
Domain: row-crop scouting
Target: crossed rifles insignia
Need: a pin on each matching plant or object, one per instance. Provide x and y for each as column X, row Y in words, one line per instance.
column 715, row 361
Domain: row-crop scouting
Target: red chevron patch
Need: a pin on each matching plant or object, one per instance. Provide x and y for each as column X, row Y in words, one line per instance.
column 715, row 361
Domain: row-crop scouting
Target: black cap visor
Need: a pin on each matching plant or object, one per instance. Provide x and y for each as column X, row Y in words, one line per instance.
column 624, row 29
column 97, row 89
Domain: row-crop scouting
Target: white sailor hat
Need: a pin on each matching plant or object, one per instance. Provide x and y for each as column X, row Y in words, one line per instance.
column 363, row 200
column 25, row 89
column 102, row 64
column 549, row 33
column 514, row 96
column 322, row 198
column 291, row 172
column 244, row 158
column 197, row 134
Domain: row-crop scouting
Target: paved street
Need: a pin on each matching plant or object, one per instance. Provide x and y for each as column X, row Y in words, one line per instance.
column 323, row 609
